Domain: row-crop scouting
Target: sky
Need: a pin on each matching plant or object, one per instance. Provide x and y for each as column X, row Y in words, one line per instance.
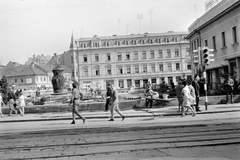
column 29, row 27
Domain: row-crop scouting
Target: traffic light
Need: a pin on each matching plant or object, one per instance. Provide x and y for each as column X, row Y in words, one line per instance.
column 207, row 55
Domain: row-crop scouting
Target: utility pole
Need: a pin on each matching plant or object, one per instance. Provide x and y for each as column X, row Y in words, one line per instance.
column 150, row 11
column 139, row 17
column 119, row 20
column 81, row 32
column 127, row 28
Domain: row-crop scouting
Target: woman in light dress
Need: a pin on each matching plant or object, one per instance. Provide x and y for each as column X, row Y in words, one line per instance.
column 22, row 103
column 187, row 99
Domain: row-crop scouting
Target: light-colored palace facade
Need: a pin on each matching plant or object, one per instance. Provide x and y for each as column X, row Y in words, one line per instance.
column 130, row 60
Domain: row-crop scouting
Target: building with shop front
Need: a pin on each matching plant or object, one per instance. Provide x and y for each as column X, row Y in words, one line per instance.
column 129, row 60
column 218, row 29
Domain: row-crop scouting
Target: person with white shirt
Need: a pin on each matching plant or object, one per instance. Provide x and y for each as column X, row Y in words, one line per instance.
column 22, row 103
column 1, row 104
column 187, row 99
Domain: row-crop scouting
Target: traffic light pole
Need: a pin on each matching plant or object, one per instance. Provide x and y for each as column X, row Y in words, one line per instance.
column 205, row 88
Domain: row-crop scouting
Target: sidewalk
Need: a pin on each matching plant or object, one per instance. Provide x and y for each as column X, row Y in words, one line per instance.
column 146, row 112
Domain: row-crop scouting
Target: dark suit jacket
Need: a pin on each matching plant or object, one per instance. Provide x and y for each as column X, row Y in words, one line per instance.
column 196, row 88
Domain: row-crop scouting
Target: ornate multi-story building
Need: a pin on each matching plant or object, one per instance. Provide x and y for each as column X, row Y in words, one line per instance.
column 218, row 29
column 130, row 60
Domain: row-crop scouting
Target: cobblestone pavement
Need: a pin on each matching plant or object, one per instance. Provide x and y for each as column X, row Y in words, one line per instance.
column 204, row 137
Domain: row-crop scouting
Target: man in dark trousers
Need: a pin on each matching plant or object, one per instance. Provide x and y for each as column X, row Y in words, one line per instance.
column 12, row 101
column 229, row 83
column 197, row 91
column 76, row 96
column 108, row 96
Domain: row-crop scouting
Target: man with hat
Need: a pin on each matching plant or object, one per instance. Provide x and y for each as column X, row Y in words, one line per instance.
column 229, row 83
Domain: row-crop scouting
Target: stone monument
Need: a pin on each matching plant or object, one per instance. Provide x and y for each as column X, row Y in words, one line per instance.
column 58, row 79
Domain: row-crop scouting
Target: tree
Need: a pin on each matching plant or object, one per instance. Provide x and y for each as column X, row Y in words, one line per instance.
column 4, row 88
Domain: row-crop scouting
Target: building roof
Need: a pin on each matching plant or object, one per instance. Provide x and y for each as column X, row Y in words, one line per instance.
column 22, row 70
column 215, row 13
column 12, row 64
column 170, row 33
column 49, row 68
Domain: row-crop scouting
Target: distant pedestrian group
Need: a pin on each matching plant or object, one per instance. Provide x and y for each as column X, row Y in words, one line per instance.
column 16, row 101
column 188, row 95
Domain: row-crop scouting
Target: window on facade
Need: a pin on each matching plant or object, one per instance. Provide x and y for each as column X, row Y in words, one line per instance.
column 109, row 71
column 84, row 45
column 107, row 44
column 152, row 54
column 153, row 68
column 85, row 72
column 15, row 80
column 85, row 58
column 44, row 79
column 151, row 41
column 135, row 55
column 128, row 69
column 71, row 59
column 129, row 82
column 126, row 42
column 214, row 43
column 21, row 80
column 189, row 65
column 169, row 66
column 168, row 53
column 136, row 69
column 195, row 46
column 108, row 57
column 197, row 43
column 176, row 52
column 127, row 56
column 120, row 70
column 97, row 72
column 206, row 43
column 119, row 56
column 134, row 42
column 160, row 54
column 187, row 51
column 234, row 34
column 96, row 57
column 137, row 83
column 223, row 39
column 118, row 43
column 177, row 66
column 144, row 68
column 161, row 67
column 144, row 56
column 120, row 84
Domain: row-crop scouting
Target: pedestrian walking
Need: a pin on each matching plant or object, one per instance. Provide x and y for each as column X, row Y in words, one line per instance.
column 22, row 103
column 197, row 92
column 114, row 103
column 192, row 93
column 179, row 95
column 108, row 96
column 187, row 98
column 1, row 104
column 12, row 102
column 76, row 102
column 229, row 83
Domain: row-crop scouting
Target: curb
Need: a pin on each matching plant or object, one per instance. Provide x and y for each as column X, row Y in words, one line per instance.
column 106, row 117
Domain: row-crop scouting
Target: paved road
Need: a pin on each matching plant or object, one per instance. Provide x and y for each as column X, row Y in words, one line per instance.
column 205, row 136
